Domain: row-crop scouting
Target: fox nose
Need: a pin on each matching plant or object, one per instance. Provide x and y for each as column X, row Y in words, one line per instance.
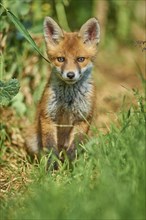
column 70, row 75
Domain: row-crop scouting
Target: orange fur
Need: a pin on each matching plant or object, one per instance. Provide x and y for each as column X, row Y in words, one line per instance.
column 66, row 108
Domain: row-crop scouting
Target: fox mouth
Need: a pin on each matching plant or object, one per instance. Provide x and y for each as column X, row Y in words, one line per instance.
column 70, row 81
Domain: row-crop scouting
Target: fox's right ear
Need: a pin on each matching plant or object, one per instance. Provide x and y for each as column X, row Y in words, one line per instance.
column 52, row 31
column 90, row 31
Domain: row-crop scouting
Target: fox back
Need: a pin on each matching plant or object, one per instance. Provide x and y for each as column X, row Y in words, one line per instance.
column 65, row 111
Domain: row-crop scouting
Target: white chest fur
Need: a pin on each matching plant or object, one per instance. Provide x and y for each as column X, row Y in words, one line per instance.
column 70, row 100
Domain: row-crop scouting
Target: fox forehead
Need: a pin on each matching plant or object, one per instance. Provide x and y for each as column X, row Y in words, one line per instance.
column 71, row 46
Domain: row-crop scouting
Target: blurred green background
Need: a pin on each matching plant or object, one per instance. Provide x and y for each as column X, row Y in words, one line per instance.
column 107, row 181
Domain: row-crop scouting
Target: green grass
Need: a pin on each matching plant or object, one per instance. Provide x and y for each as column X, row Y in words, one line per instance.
column 107, row 180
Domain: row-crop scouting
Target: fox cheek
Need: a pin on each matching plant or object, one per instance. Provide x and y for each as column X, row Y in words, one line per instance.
column 57, row 70
column 87, row 69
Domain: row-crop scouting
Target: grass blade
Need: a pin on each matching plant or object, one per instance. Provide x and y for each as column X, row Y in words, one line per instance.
column 25, row 33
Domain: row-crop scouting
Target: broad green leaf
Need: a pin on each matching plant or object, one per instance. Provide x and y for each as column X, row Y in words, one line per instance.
column 8, row 90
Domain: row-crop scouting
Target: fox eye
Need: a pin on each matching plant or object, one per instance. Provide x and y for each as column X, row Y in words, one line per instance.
column 80, row 59
column 61, row 59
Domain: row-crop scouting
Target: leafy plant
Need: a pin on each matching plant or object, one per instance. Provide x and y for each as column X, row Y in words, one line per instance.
column 22, row 30
column 8, row 90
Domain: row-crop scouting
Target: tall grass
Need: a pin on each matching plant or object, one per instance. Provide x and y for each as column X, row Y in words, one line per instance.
column 107, row 180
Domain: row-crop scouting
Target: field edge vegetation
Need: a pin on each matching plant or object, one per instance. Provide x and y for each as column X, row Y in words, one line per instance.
column 106, row 181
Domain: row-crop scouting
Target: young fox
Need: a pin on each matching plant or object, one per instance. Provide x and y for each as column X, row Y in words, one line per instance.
column 67, row 104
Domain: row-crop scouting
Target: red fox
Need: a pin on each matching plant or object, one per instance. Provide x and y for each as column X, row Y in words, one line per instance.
column 65, row 110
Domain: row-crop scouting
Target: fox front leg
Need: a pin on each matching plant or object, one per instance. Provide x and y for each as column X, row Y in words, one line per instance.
column 49, row 141
column 71, row 152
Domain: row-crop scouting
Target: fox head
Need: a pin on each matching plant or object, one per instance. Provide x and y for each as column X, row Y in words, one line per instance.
column 71, row 54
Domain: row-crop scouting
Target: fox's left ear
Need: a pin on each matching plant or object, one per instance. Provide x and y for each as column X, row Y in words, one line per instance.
column 90, row 31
